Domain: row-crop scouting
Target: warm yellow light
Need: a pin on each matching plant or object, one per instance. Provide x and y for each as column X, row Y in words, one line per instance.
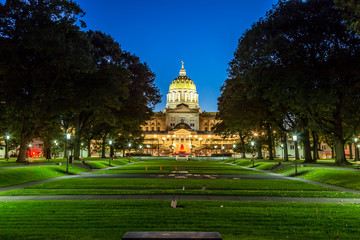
column 200, row 139
column 155, row 135
column 168, row 136
column 209, row 136
column 195, row 136
column 190, row 135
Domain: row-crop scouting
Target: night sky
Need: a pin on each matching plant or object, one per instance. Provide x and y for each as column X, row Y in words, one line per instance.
column 202, row 33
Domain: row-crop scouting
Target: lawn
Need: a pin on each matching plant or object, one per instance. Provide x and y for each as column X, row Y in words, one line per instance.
column 342, row 178
column 233, row 220
column 229, row 187
column 168, row 166
column 13, row 176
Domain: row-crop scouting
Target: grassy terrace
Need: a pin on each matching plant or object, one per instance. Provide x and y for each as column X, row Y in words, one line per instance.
column 9, row 177
column 342, row 178
column 194, row 167
column 243, row 187
column 234, row 221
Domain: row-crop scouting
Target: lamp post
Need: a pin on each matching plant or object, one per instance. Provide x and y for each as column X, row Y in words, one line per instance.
column 234, row 147
column 282, row 146
column 129, row 151
column 110, row 144
column 356, row 150
column 68, row 136
column 140, row 151
column 252, row 152
column 7, row 147
column 81, row 150
column 215, row 149
column 295, row 141
column 56, row 144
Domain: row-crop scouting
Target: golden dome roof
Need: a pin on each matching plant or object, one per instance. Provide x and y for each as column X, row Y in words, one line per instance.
column 182, row 81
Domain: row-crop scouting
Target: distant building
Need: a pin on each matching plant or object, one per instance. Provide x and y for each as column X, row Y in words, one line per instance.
column 182, row 127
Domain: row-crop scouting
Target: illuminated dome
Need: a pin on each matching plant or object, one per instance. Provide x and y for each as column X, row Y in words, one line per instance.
column 182, row 90
column 182, row 81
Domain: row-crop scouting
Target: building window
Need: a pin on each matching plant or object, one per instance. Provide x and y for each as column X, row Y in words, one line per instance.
column 206, row 129
column 147, row 129
column 152, row 129
column 158, row 128
column 292, row 147
column 172, row 118
column 172, row 124
column 192, row 125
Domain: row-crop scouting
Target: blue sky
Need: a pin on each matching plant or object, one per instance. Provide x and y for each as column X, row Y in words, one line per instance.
column 202, row 33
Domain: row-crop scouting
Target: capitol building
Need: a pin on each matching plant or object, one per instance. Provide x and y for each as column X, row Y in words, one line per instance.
column 182, row 128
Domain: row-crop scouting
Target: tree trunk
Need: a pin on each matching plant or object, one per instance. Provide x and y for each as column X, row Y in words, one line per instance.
column 103, row 147
column 89, row 148
column 296, row 151
column 23, row 148
column 340, row 152
column 350, row 150
column 77, row 142
column 65, row 145
column 259, row 148
column 307, row 147
column 47, row 149
column 111, row 151
column 315, row 146
column 332, row 151
column 270, row 141
column 356, row 153
column 286, row 154
column 242, row 140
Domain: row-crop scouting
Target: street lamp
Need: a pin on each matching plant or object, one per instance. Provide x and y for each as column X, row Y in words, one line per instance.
column 68, row 136
column 81, row 150
column 234, row 148
column 110, row 143
column 7, row 147
column 56, row 144
column 282, row 146
column 296, row 149
column 252, row 152
column 129, row 150
column 215, row 149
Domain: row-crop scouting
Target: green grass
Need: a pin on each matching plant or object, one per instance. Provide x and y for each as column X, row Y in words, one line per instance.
column 141, row 183
column 194, row 167
column 229, row 187
column 233, row 220
column 99, row 164
column 342, row 178
column 13, row 176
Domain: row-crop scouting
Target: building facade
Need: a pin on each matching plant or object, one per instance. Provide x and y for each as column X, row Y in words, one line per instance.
column 182, row 127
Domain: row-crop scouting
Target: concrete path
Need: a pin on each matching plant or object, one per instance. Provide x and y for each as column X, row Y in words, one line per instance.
column 184, row 176
column 179, row 198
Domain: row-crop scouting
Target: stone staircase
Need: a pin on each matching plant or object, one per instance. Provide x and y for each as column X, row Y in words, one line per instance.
column 84, row 164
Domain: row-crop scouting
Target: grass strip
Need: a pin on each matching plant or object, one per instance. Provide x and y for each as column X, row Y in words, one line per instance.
column 233, row 220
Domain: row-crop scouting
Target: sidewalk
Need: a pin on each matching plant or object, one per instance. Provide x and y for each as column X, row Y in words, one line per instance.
column 179, row 198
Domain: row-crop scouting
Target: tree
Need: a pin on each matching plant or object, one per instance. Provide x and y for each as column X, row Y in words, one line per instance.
column 41, row 45
column 351, row 13
column 301, row 61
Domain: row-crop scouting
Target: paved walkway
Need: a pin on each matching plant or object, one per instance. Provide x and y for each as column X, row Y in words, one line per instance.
column 179, row 197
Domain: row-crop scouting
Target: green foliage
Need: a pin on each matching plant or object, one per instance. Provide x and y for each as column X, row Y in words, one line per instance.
column 296, row 68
